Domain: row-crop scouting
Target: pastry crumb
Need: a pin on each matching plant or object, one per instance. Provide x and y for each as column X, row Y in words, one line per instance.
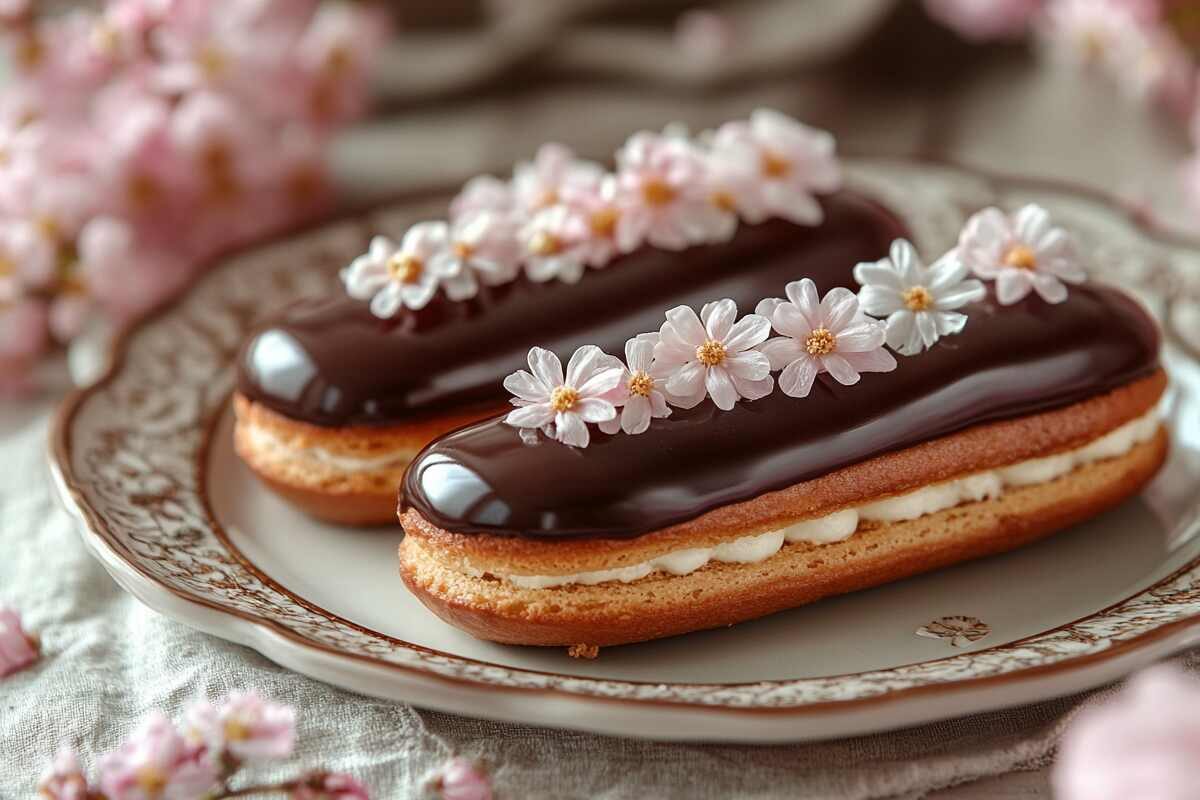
column 588, row 651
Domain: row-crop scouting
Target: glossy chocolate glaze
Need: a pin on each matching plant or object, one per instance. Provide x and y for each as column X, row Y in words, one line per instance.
column 330, row 362
column 1008, row 362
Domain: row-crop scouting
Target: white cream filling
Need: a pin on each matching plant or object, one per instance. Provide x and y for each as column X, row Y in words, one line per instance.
column 274, row 447
column 842, row 524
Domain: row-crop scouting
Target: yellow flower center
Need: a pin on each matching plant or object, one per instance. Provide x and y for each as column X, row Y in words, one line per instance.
column 640, row 384
column 217, row 161
column 211, row 61
column 29, row 52
column 151, row 781
column 820, row 342
column 603, row 222
column 657, row 193
column 544, row 243
column 236, row 730
column 143, row 190
column 1021, row 257
column 547, row 198
column 711, row 353
column 7, row 267
column 564, row 398
column 47, row 226
column 775, row 165
column 917, row 298
column 723, row 200
column 339, row 61
column 463, row 250
column 405, row 267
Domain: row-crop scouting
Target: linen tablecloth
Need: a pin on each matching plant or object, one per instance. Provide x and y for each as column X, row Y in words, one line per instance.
column 108, row 659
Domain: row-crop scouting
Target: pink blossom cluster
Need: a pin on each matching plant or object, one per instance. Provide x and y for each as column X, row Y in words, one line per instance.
column 198, row 759
column 560, row 215
column 1145, row 46
column 140, row 138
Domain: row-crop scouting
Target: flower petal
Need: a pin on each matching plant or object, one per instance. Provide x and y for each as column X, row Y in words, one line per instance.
column 527, row 387
column 791, row 321
column 872, row 361
column 1012, row 285
column 900, row 328
column 546, row 367
column 639, row 351
column 687, row 380
column 927, row 327
column 753, row 390
column 534, row 416
column 387, row 301
column 720, row 387
column 838, row 308
column 602, row 380
column 593, row 409
column 687, row 325
column 878, row 274
column 749, row 331
column 635, row 417
column 570, row 429
column 879, row 301
column 797, row 378
column 781, row 351
column 582, row 364
column 803, row 294
column 718, row 318
column 842, row 370
column 946, row 272
column 860, row 337
column 908, row 265
column 750, row 365
column 1049, row 287
column 971, row 291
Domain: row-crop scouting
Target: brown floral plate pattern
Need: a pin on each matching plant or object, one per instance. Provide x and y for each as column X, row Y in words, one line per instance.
column 143, row 460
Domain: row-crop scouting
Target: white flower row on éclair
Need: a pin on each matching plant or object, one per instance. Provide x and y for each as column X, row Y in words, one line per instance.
column 559, row 214
column 902, row 304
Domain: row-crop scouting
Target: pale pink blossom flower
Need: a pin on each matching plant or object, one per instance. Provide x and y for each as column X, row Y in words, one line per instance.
column 536, row 184
column 483, row 193
column 201, row 50
column 334, row 55
column 407, row 276
column 1150, row 63
column 221, row 143
column 23, row 326
column 704, row 35
column 63, row 779
column 121, row 276
column 482, row 245
column 562, row 406
column 713, row 356
column 551, row 245
column 46, row 213
column 639, row 394
column 243, row 725
column 156, row 763
column 791, row 162
column 1022, row 252
column 662, row 194
column 984, row 20
column 1144, row 743
column 822, row 335
column 18, row 649
column 1090, row 33
column 460, row 779
column 329, row 786
column 920, row 304
column 595, row 200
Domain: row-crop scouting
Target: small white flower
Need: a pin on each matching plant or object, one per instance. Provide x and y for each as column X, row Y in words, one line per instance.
column 918, row 303
column 595, row 200
column 562, row 406
column 482, row 245
column 483, row 193
column 830, row 335
column 639, row 393
column 551, row 245
column 1023, row 252
column 406, row 276
column 710, row 355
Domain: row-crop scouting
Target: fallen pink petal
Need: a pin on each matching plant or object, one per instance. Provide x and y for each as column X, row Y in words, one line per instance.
column 18, row 649
column 462, row 779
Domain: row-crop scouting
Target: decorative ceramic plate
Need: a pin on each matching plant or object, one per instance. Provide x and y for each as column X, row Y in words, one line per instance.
column 144, row 460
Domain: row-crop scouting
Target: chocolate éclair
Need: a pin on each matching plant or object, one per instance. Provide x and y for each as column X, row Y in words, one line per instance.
column 1035, row 416
column 333, row 402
